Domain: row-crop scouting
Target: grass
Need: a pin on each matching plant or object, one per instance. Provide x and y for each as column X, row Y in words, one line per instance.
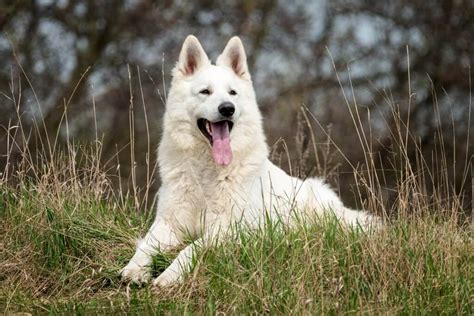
column 66, row 233
column 65, row 257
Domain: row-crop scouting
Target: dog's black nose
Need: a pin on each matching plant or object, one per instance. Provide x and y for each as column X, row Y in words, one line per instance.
column 227, row 109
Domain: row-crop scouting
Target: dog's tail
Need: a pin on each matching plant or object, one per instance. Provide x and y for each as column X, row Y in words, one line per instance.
column 323, row 200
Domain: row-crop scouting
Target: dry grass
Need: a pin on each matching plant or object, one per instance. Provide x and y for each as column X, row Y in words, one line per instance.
column 66, row 233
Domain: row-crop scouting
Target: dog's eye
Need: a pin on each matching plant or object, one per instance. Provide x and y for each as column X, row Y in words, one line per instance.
column 233, row 92
column 205, row 91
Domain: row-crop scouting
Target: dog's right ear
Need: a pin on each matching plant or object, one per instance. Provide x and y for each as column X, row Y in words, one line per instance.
column 191, row 58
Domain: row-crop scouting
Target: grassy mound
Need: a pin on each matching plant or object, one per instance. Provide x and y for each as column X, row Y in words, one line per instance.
column 63, row 254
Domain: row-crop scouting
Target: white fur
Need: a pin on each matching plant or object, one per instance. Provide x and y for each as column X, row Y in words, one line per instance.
column 201, row 199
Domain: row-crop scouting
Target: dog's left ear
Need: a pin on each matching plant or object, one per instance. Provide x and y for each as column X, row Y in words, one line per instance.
column 234, row 57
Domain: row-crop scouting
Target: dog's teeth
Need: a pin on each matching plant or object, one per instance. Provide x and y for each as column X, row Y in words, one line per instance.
column 208, row 127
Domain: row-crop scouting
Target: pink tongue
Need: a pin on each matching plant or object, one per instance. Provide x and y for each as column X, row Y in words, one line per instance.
column 221, row 151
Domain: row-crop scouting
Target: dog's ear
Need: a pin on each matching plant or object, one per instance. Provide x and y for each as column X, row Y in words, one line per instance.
column 192, row 57
column 234, row 57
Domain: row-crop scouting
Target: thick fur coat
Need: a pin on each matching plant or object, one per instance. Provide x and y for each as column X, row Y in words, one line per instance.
column 214, row 166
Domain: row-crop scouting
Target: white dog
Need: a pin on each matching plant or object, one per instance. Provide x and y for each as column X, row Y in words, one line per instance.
column 214, row 167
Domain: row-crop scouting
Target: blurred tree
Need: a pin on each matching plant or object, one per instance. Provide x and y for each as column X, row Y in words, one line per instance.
column 120, row 51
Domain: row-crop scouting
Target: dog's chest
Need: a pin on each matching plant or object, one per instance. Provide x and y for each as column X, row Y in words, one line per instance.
column 222, row 190
column 210, row 188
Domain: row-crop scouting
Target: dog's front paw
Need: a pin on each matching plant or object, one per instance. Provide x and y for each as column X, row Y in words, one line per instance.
column 135, row 273
column 167, row 278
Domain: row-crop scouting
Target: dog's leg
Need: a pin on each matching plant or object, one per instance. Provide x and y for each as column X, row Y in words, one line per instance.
column 180, row 265
column 160, row 237
column 214, row 235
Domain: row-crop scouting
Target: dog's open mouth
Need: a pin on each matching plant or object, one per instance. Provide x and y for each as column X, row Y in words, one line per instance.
column 218, row 134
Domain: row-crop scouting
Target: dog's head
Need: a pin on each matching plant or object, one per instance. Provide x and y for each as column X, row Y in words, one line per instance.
column 213, row 103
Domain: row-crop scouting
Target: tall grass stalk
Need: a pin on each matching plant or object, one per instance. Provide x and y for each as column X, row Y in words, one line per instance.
column 66, row 233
